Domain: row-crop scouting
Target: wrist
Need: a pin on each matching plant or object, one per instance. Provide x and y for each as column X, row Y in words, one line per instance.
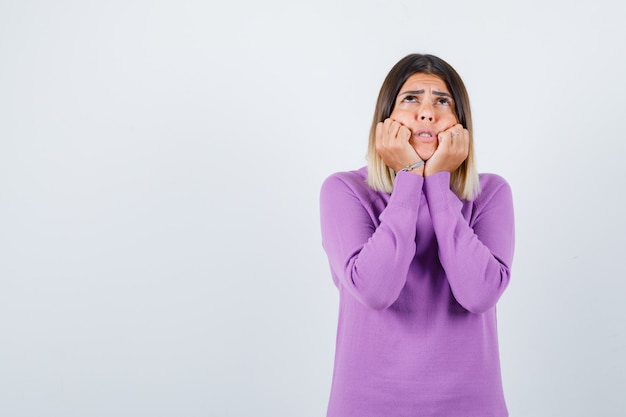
column 416, row 168
column 418, row 171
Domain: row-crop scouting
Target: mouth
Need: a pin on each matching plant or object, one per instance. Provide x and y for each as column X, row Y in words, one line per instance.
column 425, row 136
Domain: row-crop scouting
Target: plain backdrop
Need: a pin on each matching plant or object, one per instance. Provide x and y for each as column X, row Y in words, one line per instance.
column 160, row 165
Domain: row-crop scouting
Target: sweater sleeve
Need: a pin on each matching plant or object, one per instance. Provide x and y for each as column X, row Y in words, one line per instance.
column 370, row 256
column 476, row 258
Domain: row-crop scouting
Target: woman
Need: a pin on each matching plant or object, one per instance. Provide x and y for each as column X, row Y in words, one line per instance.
column 420, row 247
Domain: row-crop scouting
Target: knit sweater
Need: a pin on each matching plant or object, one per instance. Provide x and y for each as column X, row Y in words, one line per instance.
column 419, row 272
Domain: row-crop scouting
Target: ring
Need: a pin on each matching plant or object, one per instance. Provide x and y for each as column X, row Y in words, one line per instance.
column 455, row 134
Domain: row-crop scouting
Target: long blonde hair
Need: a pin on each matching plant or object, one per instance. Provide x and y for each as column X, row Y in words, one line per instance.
column 464, row 180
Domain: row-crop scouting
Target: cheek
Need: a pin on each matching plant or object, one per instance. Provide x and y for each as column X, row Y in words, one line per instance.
column 446, row 121
column 451, row 117
column 403, row 117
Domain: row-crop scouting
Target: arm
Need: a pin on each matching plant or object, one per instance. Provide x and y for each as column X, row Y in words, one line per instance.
column 370, row 257
column 476, row 258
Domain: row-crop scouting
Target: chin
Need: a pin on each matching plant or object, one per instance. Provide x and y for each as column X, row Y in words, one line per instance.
column 425, row 154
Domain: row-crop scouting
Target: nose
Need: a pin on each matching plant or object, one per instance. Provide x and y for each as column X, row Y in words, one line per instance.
column 425, row 112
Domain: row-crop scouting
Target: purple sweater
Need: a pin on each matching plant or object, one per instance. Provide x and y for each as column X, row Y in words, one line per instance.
column 419, row 274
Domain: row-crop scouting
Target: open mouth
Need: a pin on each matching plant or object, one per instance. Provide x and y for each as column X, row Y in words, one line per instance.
column 425, row 136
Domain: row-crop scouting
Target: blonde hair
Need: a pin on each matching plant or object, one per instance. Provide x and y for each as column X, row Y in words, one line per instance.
column 464, row 180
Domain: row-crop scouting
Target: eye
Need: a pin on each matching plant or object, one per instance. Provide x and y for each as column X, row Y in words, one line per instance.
column 409, row 99
column 443, row 101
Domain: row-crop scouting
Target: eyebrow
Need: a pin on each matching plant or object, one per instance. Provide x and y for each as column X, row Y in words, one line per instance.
column 418, row 92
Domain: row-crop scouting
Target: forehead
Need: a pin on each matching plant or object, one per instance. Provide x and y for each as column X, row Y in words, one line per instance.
column 427, row 82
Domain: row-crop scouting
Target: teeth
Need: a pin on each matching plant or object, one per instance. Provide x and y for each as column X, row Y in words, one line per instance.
column 425, row 134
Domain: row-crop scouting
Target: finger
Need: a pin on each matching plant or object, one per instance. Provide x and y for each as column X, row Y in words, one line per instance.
column 384, row 131
column 454, row 131
column 394, row 127
column 404, row 133
column 387, row 124
column 380, row 137
column 379, row 132
column 454, row 136
column 459, row 143
column 445, row 138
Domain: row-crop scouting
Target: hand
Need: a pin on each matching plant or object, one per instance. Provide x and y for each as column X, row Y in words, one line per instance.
column 452, row 150
column 392, row 144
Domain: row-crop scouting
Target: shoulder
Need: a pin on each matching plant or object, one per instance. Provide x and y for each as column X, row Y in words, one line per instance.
column 343, row 189
column 353, row 180
column 490, row 180
column 492, row 186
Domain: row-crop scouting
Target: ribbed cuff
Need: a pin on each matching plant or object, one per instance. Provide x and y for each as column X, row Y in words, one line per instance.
column 407, row 190
column 438, row 193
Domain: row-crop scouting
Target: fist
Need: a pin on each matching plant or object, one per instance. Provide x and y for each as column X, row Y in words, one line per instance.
column 452, row 150
column 392, row 144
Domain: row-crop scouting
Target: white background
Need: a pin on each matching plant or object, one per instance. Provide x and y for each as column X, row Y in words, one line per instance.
column 160, row 165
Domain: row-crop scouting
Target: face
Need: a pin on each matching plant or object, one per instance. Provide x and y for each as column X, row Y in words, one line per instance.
column 425, row 106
